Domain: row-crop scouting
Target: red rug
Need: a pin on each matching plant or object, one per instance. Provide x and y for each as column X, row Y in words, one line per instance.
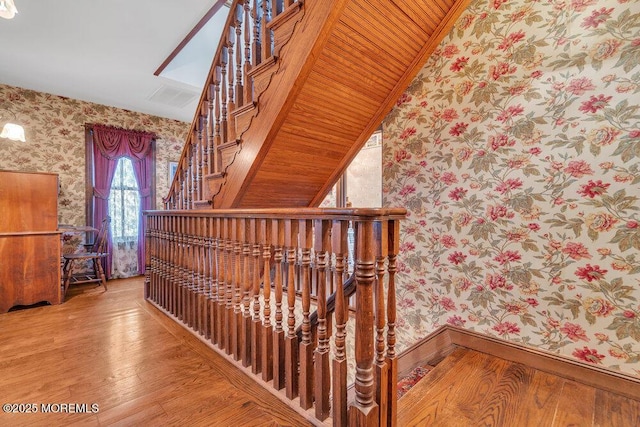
column 405, row 383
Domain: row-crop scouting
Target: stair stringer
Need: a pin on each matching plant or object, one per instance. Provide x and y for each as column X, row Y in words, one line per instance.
column 261, row 76
column 295, row 59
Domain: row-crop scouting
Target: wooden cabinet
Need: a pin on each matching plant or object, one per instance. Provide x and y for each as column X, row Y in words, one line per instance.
column 29, row 239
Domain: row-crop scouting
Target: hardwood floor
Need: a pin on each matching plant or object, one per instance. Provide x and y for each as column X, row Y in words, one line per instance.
column 141, row 368
column 116, row 351
column 469, row 388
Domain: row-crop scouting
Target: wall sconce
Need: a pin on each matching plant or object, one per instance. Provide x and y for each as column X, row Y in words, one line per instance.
column 7, row 9
column 11, row 130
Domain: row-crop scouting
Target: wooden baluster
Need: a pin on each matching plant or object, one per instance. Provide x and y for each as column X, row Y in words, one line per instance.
column 229, row 259
column 224, row 127
column 180, row 270
column 217, row 285
column 197, row 157
column 190, row 173
column 256, row 47
column 306, row 346
column 189, row 293
column 322, row 246
column 256, row 323
column 217, row 127
column 167, row 264
column 239, row 54
column 392, row 360
column 265, row 36
column 276, row 8
column 237, row 287
column 205, row 136
column 381, row 368
column 193, row 272
column 266, row 338
column 248, row 96
column 212, row 294
column 291, row 341
column 231, row 74
column 222, row 327
column 364, row 410
column 173, row 265
column 245, row 316
column 278, row 332
column 340, row 248
column 203, row 290
column 147, row 260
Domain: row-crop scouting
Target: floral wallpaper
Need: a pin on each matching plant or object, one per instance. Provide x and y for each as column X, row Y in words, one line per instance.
column 54, row 128
column 517, row 154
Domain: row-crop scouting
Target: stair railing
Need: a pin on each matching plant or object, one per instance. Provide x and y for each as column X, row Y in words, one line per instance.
column 230, row 276
column 246, row 42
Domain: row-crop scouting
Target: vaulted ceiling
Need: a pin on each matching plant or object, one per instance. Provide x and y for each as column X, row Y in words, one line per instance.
column 108, row 51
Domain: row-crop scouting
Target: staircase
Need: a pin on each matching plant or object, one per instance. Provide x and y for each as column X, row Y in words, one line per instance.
column 295, row 89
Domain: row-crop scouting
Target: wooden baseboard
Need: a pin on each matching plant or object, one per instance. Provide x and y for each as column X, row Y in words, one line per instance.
column 444, row 340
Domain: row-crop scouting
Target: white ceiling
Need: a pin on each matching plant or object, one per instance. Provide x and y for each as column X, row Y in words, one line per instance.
column 106, row 51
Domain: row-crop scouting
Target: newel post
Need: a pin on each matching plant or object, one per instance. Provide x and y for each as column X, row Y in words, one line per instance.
column 364, row 410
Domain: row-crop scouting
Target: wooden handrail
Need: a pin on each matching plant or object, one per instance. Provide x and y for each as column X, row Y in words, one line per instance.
column 205, row 268
column 245, row 43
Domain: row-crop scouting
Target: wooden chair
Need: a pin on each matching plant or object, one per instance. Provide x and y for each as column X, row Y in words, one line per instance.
column 95, row 253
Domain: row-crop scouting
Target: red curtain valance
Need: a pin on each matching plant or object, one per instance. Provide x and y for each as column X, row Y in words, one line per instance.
column 115, row 142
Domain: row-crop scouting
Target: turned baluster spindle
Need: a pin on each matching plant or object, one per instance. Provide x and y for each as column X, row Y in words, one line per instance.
column 245, row 318
column 189, row 172
column 393, row 237
column 237, row 286
column 231, row 74
column 240, row 54
column 222, row 326
column 276, row 8
column 278, row 332
column 266, row 337
column 381, row 368
column 218, row 137
column 291, row 340
column 340, row 248
column 256, row 323
column 248, row 19
column 202, row 278
column 322, row 246
column 211, row 291
column 256, row 47
column 182, row 271
column 197, row 157
column 364, row 410
column 306, row 346
column 191, row 282
column 265, row 36
column 205, row 135
column 229, row 277
column 224, row 126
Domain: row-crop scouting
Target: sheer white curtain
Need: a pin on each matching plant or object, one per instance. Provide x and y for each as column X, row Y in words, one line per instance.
column 124, row 209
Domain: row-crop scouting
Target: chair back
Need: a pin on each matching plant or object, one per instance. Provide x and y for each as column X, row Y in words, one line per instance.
column 100, row 244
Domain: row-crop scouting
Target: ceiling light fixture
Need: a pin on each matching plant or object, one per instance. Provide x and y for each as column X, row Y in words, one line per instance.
column 11, row 130
column 7, row 9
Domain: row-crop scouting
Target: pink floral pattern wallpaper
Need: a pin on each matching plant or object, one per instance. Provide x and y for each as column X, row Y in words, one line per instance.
column 54, row 128
column 517, row 154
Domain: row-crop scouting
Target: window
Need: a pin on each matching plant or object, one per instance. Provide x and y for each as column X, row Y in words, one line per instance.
column 361, row 184
column 124, row 203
